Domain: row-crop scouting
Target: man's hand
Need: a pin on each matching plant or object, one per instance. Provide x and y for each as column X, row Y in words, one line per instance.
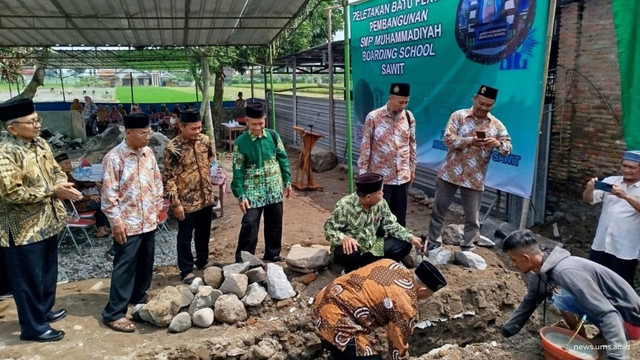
column 65, row 190
column 478, row 142
column 491, row 142
column 287, row 192
column 417, row 243
column 244, row 205
column 617, row 191
column 119, row 233
column 413, row 177
column 591, row 185
column 178, row 212
column 349, row 245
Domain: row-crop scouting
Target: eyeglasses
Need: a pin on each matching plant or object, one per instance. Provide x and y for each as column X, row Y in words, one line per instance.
column 144, row 134
column 33, row 123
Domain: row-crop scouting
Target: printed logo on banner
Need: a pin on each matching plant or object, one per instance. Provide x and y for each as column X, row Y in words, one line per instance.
column 488, row 31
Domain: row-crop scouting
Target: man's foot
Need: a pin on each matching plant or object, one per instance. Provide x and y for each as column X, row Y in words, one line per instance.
column 121, row 325
column 49, row 335
column 189, row 278
column 277, row 258
column 102, row 232
column 433, row 246
column 57, row 315
column 6, row 296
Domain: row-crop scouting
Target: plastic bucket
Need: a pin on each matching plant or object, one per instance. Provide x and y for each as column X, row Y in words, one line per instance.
column 554, row 338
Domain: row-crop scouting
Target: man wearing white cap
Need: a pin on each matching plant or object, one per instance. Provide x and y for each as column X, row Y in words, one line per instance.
column 617, row 244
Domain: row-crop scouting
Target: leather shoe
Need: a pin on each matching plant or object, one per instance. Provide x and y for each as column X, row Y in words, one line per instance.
column 49, row 335
column 57, row 315
column 275, row 259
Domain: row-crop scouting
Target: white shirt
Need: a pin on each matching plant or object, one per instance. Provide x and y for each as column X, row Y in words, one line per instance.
column 618, row 230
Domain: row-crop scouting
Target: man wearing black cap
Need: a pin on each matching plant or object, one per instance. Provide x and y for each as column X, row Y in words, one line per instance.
column 388, row 148
column 383, row 293
column 132, row 200
column 32, row 187
column 261, row 180
column 471, row 136
column 187, row 158
column 358, row 224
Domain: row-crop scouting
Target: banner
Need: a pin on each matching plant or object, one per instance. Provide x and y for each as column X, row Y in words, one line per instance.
column 446, row 49
column 625, row 19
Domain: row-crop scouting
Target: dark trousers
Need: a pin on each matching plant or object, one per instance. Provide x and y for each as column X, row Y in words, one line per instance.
column 101, row 218
column 250, row 226
column 393, row 249
column 625, row 268
column 33, row 274
column 396, row 197
column 131, row 276
column 196, row 225
column 349, row 352
column 5, row 287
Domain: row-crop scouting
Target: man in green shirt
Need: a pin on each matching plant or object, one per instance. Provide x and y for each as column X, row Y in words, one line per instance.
column 357, row 227
column 261, row 180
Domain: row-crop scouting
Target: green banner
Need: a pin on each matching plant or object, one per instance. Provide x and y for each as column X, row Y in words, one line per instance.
column 625, row 18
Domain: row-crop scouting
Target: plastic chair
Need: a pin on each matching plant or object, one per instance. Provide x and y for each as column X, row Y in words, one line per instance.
column 74, row 221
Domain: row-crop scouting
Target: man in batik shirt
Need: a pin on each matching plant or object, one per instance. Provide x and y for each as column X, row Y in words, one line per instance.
column 261, row 180
column 388, row 148
column 132, row 201
column 187, row 159
column 383, row 293
column 362, row 229
column 32, row 187
column 471, row 136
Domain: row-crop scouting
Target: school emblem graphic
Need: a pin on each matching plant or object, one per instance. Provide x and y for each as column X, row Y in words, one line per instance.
column 488, row 31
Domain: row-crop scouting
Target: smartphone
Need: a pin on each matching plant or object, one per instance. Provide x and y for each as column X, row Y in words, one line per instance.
column 600, row 185
column 481, row 135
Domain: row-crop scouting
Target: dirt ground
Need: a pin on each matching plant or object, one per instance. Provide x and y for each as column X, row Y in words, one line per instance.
column 468, row 311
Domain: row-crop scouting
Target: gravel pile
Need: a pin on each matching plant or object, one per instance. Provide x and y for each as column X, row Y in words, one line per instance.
column 93, row 262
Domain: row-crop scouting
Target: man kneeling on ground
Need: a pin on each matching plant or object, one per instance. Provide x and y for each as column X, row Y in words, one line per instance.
column 382, row 293
column 579, row 287
column 359, row 223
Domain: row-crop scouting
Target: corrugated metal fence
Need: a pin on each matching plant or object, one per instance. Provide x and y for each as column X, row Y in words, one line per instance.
column 315, row 111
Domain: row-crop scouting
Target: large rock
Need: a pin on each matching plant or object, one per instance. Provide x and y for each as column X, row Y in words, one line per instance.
column 228, row 309
column 140, row 313
column 187, row 295
column 212, row 276
column 439, row 256
column 159, row 312
column 236, row 268
column 453, row 234
column 235, row 284
column 469, row 259
column 180, row 323
column 203, row 318
column 306, row 259
column 255, row 295
column 485, row 241
column 278, row 285
column 195, row 284
column 205, row 298
column 256, row 275
column 253, row 260
column 323, row 160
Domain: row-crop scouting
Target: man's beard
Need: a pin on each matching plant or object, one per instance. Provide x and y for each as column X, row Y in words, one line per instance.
column 394, row 114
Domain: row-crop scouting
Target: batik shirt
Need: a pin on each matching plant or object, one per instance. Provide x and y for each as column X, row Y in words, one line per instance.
column 186, row 173
column 466, row 165
column 131, row 189
column 350, row 219
column 260, row 169
column 353, row 305
column 388, row 146
column 29, row 210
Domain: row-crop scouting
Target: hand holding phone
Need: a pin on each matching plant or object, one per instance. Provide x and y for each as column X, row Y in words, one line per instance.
column 601, row 185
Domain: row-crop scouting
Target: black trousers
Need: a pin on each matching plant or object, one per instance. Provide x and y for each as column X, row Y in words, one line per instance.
column 5, row 287
column 196, row 225
column 349, row 352
column 393, row 249
column 131, row 276
column 248, row 238
column 625, row 268
column 33, row 274
column 101, row 218
column 396, row 197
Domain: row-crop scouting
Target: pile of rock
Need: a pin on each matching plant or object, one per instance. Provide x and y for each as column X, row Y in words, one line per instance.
column 453, row 234
column 223, row 295
column 101, row 144
column 59, row 141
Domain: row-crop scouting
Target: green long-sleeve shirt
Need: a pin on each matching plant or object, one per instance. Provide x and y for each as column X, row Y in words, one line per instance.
column 349, row 218
column 260, row 169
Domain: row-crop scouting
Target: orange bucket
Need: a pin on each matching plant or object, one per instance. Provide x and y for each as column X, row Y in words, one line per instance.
column 554, row 338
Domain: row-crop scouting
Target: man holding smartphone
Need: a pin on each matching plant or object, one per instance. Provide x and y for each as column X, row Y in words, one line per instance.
column 471, row 136
column 616, row 244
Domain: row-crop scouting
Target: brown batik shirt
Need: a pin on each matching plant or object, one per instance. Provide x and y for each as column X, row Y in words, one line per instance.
column 353, row 305
column 29, row 210
column 186, row 173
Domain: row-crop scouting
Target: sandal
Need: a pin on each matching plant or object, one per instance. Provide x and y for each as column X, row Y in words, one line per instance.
column 188, row 279
column 121, row 325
